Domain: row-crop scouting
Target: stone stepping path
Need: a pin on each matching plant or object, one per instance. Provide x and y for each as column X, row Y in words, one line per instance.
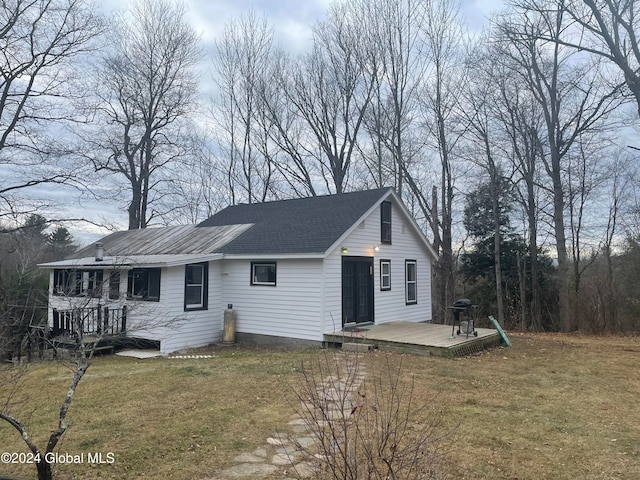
column 281, row 457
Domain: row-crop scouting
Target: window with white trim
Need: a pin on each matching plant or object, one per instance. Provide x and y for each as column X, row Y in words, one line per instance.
column 385, row 274
column 411, row 280
column 263, row 273
column 195, row 286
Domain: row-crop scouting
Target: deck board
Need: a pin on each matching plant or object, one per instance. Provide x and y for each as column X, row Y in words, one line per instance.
column 425, row 338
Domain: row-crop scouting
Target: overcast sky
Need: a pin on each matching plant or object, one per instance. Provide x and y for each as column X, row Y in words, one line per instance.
column 292, row 21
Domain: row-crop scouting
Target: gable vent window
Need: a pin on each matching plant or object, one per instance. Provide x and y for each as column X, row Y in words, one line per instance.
column 385, row 222
column 195, row 286
column 263, row 273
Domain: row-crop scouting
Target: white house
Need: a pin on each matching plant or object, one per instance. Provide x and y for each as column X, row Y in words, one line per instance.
column 293, row 270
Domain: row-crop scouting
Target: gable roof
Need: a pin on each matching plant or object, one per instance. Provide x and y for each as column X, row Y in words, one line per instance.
column 298, row 226
column 312, row 226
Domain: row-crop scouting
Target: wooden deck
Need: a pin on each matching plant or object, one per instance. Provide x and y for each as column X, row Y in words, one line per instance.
column 418, row 338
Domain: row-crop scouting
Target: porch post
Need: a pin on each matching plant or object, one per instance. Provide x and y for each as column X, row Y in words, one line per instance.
column 106, row 320
column 99, row 320
column 123, row 325
column 56, row 322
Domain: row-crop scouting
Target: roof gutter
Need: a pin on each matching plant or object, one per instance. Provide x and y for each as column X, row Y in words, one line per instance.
column 133, row 261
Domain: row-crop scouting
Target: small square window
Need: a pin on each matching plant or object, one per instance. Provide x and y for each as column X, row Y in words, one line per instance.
column 385, row 274
column 263, row 273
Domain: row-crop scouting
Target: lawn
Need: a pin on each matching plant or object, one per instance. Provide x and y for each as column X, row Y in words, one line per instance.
column 552, row 406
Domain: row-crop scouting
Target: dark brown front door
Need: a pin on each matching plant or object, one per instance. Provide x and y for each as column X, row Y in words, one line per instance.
column 357, row 290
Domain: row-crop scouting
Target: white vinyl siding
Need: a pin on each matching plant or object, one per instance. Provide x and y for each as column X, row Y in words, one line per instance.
column 291, row 308
column 389, row 305
column 192, row 328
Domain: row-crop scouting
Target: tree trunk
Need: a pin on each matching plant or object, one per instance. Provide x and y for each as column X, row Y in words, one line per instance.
column 522, row 280
column 446, row 260
column 44, row 470
column 536, row 320
column 561, row 248
column 134, row 207
column 496, row 247
column 439, row 307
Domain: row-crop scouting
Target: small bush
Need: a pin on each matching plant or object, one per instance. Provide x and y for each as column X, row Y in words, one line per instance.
column 368, row 426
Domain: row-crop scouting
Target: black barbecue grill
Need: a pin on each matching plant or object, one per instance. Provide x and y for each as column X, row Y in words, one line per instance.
column 464, row 308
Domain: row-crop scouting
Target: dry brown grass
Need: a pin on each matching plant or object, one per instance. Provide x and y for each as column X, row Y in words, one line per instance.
column 162, row 418
column 553, row 406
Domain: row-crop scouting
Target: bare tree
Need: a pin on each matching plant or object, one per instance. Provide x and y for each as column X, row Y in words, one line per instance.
column 371, row 429
column 197, row 183
column 41, row 41
column 397, row 66
column 83, row 321
column 242, row 61
column 521, row 122
column 609, row 30
column 84, row 347
column 483, row 130
column 599, row 292
column 40, row 455
column 331, row 92
column 516, row 121
column 146, row 86
column 444, row 83
column 570, row 96
column 298, row 170
column 584, row 178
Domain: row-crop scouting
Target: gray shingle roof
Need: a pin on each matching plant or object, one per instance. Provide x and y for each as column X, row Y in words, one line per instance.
column 304, row 225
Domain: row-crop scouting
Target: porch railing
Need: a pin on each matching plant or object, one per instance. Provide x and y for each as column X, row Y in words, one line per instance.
column 98, row 321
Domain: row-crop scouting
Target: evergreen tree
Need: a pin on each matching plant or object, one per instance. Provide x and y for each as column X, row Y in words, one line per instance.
column 477, row 265
column 23, row 286
column 61, row 243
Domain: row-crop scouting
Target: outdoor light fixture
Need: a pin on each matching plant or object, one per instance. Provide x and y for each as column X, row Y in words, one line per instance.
column 345, row 250
column 376, row 248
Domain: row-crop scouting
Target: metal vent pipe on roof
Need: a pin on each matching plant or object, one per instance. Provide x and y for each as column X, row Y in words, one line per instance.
column 99, row 252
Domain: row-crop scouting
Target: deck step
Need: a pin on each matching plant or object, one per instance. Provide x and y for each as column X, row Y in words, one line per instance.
column 104, row 349
column 357, row 347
